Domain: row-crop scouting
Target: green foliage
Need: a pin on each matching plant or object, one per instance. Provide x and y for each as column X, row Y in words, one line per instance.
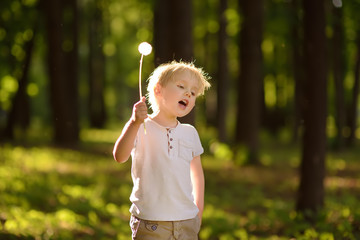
column 52, row 193
column 63, row 194
column 126, row 23
column 17, row 24
column 8, row 88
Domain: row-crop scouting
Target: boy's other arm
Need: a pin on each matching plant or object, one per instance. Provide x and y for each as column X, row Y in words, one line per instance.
column 125, row 143
column 198, row 183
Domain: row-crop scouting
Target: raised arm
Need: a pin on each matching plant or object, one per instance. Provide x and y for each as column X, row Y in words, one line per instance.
column 198, row 182
column 125, row 142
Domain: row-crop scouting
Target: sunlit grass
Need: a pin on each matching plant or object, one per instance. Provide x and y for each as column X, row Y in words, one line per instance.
column 69, row 194
column 82, row 193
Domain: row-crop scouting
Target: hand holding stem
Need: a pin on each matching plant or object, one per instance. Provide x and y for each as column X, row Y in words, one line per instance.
column 139, row 113
column 145, row 49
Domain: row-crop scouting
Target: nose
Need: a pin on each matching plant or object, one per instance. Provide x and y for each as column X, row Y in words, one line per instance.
column 187, row 93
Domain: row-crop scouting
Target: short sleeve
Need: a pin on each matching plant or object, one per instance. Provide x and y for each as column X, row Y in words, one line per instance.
column 198, row 149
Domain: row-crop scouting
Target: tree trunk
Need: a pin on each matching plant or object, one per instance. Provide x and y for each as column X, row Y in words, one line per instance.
column 62, row 63
column 250, row 79
column 20, row 110
column 298, row 67
column 223, row 74
column 339, row 72
column 312, row 169
column 173, row 35
column 352, row 114
column 96, row 68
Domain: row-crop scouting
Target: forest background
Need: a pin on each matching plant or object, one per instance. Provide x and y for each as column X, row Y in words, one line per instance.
column 279, row 125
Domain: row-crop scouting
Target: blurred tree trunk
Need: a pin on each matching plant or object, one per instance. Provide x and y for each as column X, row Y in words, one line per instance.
column 173, row 35
column 20, row 109
column 96, row 67
column 312, row 169
column 352, row 114
column 62, row 63
column 223, row 74
column 298, row 66
column 339, row 73
column 250, row 79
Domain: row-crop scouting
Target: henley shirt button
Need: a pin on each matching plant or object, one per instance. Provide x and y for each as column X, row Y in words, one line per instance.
column 171, row 139
column 171, row 147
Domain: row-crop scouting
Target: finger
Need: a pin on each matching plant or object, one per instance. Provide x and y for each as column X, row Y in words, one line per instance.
column 141, row 113
column 143, row 104
column 141, row 109
column 140, row 103
column 142, row 116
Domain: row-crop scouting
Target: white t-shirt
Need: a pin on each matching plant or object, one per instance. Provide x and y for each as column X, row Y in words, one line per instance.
column 161, row 172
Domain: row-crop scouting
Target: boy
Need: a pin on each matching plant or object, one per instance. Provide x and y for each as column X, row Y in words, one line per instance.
column 168, row 192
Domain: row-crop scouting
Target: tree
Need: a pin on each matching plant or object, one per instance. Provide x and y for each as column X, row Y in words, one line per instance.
column 250, row 79
column 338, row 67
column 352, row 108
column 97, row 111
column 20, row 110
column 223, row 74
column 173, row 35
column 19, row 35
column 297, row 66
column 312, row 168
column 61, row 26
column 352, row 112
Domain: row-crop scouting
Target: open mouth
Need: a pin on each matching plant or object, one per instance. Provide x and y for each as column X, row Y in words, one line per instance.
column 183, row 103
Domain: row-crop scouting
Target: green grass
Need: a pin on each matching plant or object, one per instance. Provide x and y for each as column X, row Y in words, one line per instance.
column 82, row 193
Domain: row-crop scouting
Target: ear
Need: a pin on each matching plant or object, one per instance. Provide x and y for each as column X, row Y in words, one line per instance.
column 157, row 89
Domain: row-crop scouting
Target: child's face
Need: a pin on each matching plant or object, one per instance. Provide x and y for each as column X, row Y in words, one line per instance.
column 179, row 95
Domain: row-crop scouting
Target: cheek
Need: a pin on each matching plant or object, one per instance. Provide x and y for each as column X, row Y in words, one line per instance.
column 170, row 96
column 171, row 90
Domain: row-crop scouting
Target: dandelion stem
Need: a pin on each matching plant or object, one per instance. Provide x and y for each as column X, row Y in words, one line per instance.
column 140, row 67
column 140, row 91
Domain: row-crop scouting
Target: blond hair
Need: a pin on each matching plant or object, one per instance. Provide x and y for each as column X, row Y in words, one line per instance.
column 164, row 73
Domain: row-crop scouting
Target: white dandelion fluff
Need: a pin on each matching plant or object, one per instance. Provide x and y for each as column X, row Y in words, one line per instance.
column 145, row 48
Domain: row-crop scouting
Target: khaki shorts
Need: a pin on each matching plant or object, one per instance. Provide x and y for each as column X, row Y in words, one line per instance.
column 164, row 230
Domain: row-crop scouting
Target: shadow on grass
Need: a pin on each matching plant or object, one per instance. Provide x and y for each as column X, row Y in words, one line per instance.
column 9, row 236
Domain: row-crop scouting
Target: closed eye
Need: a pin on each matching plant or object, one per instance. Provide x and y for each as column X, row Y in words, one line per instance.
column 193, row 94
column 181, row 86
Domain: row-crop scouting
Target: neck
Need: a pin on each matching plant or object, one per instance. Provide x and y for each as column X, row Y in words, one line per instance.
column 164, row 120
